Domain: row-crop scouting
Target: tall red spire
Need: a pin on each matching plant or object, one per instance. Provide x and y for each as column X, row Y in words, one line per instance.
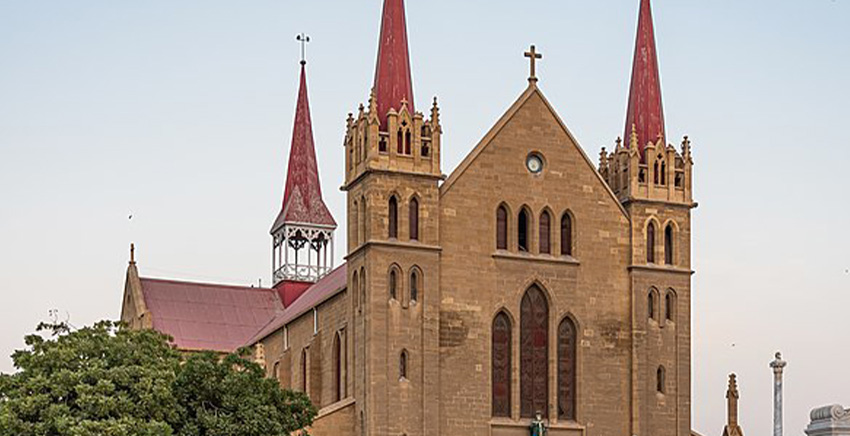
column 393, row 82
column 302, row 199
column 645, row 112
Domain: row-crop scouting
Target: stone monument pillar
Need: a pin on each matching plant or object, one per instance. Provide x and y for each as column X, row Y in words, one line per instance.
column 778, row 366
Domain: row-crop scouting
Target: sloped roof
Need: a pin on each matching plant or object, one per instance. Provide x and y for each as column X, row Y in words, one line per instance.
column 202, row 316
column 302, row 197
column 645, row 111
column 323, row 290
column 393, row 80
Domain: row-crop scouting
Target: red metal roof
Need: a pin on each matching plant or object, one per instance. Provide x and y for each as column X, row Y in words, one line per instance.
column 393, row 82
column 302, row 198
column 320, row 292
column 202, row 316
column 645, row 111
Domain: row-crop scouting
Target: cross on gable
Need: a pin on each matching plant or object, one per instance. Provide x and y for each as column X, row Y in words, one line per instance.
column 533, row 56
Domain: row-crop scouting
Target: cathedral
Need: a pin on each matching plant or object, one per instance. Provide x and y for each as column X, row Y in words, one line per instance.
column 529, row 284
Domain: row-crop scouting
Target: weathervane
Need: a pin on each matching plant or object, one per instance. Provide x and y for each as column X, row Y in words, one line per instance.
column 303, row 38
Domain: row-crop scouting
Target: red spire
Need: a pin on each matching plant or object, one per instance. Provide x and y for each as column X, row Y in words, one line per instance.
column 645, row 112
column 393, row 83
column 302, row 199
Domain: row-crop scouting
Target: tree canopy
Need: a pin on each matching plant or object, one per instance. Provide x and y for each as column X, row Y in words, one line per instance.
column 106, row 380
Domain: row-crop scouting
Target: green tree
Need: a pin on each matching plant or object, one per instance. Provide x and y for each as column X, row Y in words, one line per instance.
column 231, row 396
column 109, row 381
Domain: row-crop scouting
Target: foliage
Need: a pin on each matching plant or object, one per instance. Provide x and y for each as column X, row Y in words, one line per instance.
column 231, row 396
column 106, row 380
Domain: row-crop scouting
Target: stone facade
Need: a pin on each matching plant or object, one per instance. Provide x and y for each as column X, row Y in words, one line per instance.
column 604, row 287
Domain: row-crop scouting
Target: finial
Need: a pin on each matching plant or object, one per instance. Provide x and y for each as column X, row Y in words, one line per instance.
column 132, row 254
column 733, row 384
column 533, row 56
column 303, row 38
column 633, row 141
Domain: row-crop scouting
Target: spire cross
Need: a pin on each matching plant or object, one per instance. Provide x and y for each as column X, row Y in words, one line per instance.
column 303, row 38
column 533, row 56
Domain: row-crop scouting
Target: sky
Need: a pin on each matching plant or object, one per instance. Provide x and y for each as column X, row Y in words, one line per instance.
column 180, row 114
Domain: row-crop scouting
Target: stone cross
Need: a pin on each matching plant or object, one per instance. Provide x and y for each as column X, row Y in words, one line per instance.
column 533, row 55
column 778, row 366
column 303, row 38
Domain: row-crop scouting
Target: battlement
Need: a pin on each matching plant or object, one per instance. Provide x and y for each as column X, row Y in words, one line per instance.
column 662, row 174
column 403, row 142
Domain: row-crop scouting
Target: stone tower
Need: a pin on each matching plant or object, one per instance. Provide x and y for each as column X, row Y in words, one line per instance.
column 302, row 233
column 392, row 174
column 732, row 427
column 652, row 180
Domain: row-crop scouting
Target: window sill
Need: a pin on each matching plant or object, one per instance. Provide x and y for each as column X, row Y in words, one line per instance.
column 662, row 268
column 526, row 422
column 544, row 258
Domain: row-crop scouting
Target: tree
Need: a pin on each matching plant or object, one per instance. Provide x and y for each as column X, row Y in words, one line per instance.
column 231, row 396
column 110, row 381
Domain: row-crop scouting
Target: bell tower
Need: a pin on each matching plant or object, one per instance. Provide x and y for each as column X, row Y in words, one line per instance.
column 392, row 158
column 653, row 181
column 303, row 233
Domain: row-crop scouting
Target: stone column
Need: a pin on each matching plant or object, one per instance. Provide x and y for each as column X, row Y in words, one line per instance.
column 778, row 366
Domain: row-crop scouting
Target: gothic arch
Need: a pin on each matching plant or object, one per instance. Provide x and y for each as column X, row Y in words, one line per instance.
column 403, row 365
column 503, row 226
column 414, row 206
column 355, row 287
column 650, row 232
column 653, row 302
column 671, row 239
column 364, row 221
column 362, row 289
column 339, row 367
column 395, row 283
column 534, row 353
column 392, row 216
column 545, row 230
column 567, row 233
column 501, row 348
column 416, row 283
column 524, row 229
column 568, row 337
column 670, row 307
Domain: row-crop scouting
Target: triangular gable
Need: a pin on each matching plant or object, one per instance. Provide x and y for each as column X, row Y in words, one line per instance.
column 503, row 121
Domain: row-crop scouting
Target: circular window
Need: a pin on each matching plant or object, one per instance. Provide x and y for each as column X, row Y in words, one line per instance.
column 534, row 163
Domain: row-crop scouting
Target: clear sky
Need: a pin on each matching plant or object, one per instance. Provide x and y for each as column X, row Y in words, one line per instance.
column 180, row 114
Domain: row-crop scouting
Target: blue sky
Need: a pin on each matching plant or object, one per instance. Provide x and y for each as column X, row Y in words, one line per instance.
column 180, row 113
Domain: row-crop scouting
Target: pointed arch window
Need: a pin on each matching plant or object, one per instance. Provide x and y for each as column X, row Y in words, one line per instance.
column 650, row 243
column 355, row 284
column 394, row 283
column 669, row 306
column 651, row 304
column 407, row 141
column 362, row 288
column 534, row 354
column 668, row 244
column 501, row 366
column 567, row 340
column 393, row 217
column 523, row 240
column 363, row 220
column 414, row 219
column 338, row 368
column 545, row 233
column 276, row 371
column 566, row 235
column 414, row 286
column 402, row 365
column 305, row 372
column 502, row 228
column 661, row 380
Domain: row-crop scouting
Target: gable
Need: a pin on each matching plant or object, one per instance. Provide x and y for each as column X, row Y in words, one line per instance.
column 531, row 125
